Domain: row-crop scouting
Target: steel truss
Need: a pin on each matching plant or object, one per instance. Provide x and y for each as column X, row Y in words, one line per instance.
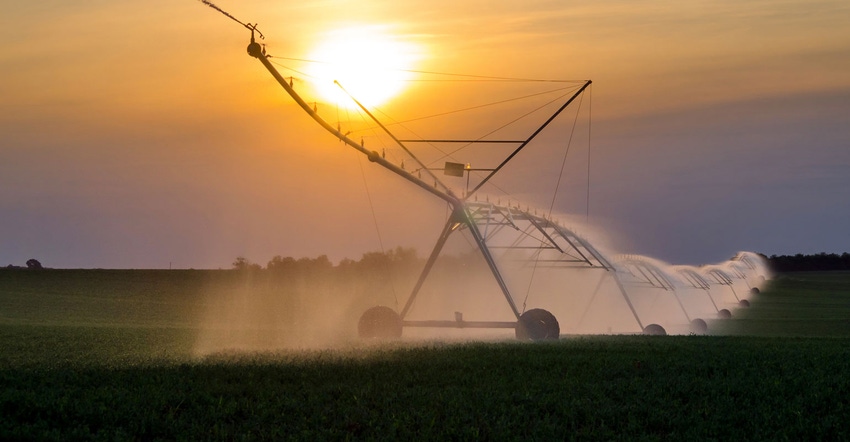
column 551, row 244
column 498, row 228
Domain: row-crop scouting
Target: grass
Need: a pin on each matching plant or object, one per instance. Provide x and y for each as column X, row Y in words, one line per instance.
column 83, row 375
column 796, row 304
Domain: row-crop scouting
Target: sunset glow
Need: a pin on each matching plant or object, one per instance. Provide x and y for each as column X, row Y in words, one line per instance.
column 142, row 135
column 371, row 64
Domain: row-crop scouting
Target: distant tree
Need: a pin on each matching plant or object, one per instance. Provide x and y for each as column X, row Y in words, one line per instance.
column 33, row 264
column 242, row 263
column 280, row 264
column 316, row 267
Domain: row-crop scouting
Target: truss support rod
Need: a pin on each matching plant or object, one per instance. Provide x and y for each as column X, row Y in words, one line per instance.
column 733, row 292
column 628, row 301
column 648, row 278
column 663, row 280
column 528, row 140
column 682, row 306
column 592, row 298
column 441, row 241
column 590, row 250
column 387, row 131
column 545, row 235
column 256, row 51
column 708, row 293
column 482, row 245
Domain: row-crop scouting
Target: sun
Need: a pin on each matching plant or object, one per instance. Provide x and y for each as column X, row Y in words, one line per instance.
column 370, row 63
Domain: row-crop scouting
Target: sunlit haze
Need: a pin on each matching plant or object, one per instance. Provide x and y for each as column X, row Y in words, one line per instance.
column 370, row 63
column 141, row 134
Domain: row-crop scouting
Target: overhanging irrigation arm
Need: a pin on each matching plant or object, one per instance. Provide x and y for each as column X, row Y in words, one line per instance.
column 256, row 51
column 528, row 140
column 422, row 165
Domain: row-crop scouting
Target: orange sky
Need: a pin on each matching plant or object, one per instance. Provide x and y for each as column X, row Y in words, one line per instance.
column 138, row 134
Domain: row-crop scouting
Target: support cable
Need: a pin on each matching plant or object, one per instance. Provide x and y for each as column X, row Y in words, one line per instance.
column 446, row 74
column 444, row 154
column 589, row 126
column 292, row 69
column 494, row 103
column 387, row 269
column 552, row 203
column 523, row 142
column 399, row 143
column 528, row 140
column 377, row 229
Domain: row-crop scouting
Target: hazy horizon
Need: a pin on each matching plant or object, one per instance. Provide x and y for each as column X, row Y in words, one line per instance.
column 141, row 135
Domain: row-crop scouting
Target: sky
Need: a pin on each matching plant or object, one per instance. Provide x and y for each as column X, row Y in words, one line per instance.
column 141, row 134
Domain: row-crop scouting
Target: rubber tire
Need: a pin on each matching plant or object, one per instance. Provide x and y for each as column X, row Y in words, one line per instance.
column 755, row 291
column 537, row 325
column 654, row 330
column 698, row 327
column 724, row 314
column 744, row 303
column 379, row 323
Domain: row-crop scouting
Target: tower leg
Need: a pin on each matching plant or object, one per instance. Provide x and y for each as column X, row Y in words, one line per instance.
column 441, row 241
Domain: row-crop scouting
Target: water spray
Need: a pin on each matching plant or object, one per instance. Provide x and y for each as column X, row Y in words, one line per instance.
column 512, row 232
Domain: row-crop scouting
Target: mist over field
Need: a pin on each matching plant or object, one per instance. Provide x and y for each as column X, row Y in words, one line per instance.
column 312, row 303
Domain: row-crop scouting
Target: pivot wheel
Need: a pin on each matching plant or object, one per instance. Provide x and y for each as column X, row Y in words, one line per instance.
column 537, row 325
column 698, row 326
column 379, row 322
column 724, row 314
column 654, row 330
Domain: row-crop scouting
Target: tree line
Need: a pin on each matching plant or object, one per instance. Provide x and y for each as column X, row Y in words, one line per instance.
column 369, row 262
column 32, row 264
column 808, row 263
column 408, row 259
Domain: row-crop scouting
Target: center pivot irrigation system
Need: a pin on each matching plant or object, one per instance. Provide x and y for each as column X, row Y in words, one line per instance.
column 494, row 228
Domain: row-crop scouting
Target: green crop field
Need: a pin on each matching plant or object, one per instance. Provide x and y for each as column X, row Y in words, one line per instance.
column 797, row 304
column 108, row 354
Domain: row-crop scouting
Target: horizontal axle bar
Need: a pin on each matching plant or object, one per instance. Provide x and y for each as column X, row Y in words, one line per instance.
column 459, row 324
